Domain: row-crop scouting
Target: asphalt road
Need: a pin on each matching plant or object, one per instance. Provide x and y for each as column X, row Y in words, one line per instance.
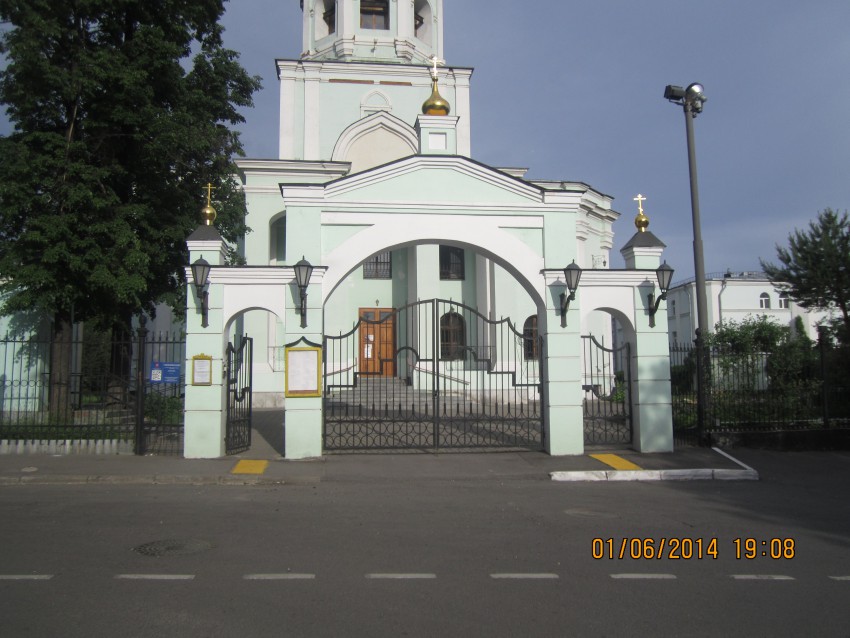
column 435, row 557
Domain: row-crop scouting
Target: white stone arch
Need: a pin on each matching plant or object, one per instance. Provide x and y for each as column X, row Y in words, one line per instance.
column 375, row 102
column 374, row 140
column 397, row 232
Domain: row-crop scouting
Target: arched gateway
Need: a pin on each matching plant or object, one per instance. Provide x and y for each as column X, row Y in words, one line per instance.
column 438, row 292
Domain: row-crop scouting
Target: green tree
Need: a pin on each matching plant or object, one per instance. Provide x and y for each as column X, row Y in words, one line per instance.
column 122, row 112
column 815, row 267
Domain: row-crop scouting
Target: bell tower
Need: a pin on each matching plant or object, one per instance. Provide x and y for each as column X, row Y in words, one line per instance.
column 385, row 31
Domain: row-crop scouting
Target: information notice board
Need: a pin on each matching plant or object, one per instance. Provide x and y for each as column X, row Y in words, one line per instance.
column 303, row 372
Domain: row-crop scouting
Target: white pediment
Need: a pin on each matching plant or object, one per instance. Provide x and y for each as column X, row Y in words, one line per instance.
column 435, row 181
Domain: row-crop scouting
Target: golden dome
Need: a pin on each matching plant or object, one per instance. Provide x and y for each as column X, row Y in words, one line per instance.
column 208, row 214
column 641, row 220
column 435, row 105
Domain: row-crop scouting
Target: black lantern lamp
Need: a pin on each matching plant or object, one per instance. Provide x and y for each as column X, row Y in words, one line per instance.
column 664, row 274
column 572, row 275
column 200, row 275
column 303, row 272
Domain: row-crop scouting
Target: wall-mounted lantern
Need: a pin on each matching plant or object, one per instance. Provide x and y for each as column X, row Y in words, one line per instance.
column 572, row 275
column 200, row 275
column 303, row 272
column 664, row 274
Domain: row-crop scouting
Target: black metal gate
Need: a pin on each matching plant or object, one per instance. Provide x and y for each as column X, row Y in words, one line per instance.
column 606, row 382
column 237, row 435
column 433, row 374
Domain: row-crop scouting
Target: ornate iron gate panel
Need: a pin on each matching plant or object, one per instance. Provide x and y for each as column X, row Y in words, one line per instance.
column 606, row 382
column 451, row 378
column 237, row 435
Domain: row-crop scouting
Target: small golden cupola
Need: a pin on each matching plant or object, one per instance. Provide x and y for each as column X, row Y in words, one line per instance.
column 435, row 105
column 641, row 220
column 208, row 212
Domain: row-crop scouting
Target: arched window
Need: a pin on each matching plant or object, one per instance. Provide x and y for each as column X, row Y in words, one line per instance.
column 374, row 14
column 529, row 338
column 326, row 23
column 764, row 301
column 784, row 300
column 422, row 20
column 452, row 336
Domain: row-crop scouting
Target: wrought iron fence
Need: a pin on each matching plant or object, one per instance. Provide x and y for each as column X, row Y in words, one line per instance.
column 92, row 392
column 794, row 387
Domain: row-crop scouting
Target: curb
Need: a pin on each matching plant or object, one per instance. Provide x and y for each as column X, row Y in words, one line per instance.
column 746, row 473
column 71, row 479
column 657, row 475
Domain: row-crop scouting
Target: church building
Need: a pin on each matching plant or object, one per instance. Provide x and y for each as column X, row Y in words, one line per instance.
column 452, row 304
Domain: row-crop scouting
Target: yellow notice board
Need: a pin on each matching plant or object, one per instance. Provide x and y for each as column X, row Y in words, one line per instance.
column 202, row 369
column 303, row 372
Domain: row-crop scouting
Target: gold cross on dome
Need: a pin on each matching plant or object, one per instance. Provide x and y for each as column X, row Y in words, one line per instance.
column 436, row 61
column 640, row 199
column 210, row 188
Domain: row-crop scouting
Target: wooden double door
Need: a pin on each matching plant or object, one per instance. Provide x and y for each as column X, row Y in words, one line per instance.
column 377, row 341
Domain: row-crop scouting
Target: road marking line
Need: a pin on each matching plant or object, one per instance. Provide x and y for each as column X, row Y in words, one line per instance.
column 617, row 462
column 26, row 576
column 644, row 576
column 155, row 576
column 249, row 467
column 840, row 577
column 733, row 459
column 761, row 577
column 279, row 576
column 540, row 576
column 401, row 576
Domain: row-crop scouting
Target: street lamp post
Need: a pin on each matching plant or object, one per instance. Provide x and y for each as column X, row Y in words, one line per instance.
column 691, row 100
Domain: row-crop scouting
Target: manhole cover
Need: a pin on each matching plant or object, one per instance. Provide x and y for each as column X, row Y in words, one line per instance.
column 174, row 547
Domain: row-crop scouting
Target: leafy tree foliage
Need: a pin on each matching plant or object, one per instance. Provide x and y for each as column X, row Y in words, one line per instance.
column 815, row 267
column 752, row 334
column 122, row 112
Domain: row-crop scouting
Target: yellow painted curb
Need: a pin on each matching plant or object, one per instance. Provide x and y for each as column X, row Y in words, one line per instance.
column 617, row 462
column 250, row 467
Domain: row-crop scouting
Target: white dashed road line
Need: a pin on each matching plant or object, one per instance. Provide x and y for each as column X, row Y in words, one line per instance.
column 840, row 577
column 155, row 577
column 761, row 577
column 26, row 576
column 287, row 576
column 644, row 576
column 541, row 576
column 401, row 576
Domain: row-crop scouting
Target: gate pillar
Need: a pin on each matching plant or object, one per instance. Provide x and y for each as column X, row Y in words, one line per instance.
column 205, row 403
column 563, row 416
column 652, row 410
column 303, row 416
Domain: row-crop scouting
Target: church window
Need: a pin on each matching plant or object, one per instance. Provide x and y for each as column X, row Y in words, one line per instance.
column 422, row 20
column 451, row 263
column 452, row 337
column 374, row 14
column 784, row 300
column 529, row 339
column 764, row 301
column 329, row 17
column 379, row 267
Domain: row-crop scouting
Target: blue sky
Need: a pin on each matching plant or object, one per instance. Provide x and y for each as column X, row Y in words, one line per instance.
column 574, row 90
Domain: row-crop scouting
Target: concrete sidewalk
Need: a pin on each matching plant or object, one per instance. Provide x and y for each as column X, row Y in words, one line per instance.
column 267, row 468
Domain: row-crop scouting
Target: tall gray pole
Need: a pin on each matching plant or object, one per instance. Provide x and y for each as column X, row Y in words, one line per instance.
column 699, row 259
